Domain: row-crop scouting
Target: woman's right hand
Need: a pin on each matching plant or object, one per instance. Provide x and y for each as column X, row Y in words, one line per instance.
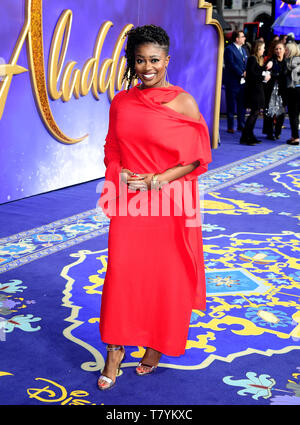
column 269, row 65
column 134, row 182
column 125, row 174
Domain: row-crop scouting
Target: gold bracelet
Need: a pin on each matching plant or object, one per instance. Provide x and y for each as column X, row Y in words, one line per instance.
column 155, row 181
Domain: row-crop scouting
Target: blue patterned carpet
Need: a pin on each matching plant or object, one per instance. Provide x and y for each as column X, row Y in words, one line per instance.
column 244, row 349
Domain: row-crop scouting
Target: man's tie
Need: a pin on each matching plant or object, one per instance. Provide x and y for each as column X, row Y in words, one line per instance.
column 242, row 52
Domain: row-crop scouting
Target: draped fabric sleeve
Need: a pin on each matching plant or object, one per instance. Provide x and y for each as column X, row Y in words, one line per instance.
column 196, row 148
column 112, row 161
column 190, row 143
column 182, row 139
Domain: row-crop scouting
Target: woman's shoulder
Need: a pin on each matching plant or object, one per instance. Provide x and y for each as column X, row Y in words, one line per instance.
column 186, row 98
column 252, row 64
column 252, row 58
column 187, row 104
column 252, row 61
column 119, row 98
column 120, row 95
column 295, row 61
column 255, row 64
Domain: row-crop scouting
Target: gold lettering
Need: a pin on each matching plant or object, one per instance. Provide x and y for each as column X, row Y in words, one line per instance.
column 8, row 71
column 120, row 73
column 36, row 392
column 70, row 83
column 55, row 64
column 110, row 73
column 109, row 78
column 104, row 82
column 115, row 57
column 97, row 52
column 73, row 82
column 85, row 84
column 57, row 394
column 37, row 68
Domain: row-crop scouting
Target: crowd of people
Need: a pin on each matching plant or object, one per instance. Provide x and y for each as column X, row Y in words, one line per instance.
column 262, row 81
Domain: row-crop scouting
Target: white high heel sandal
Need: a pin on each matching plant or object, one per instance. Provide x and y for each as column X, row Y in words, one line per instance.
column 106, row 379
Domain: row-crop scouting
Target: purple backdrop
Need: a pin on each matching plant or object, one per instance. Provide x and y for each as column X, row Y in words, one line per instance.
column 32, row 161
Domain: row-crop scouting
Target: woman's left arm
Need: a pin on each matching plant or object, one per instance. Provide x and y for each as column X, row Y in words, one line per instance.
column 176, row 172
column 163, row 178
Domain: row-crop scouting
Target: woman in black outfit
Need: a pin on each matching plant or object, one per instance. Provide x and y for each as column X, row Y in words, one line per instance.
column 256, row 74
column 275, row 94
column 292, row 57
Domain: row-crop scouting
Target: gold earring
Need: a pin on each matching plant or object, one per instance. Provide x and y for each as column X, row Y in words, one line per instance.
column 166, row 80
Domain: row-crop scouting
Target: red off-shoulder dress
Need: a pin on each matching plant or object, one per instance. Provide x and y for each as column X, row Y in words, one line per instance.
column 155, row 270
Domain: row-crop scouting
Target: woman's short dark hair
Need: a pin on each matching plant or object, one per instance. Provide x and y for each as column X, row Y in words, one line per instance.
column 138, row 36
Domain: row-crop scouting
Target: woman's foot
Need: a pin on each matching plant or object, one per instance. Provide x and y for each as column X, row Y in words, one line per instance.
column 115, row 355
column 255, row 140
column 149, row 362
column 270, row 137
column 247, row 142
column 292, row 141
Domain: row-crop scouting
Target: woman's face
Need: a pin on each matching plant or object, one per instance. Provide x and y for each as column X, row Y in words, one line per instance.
column 279, row 50
column 260, row 50
column 286, row 52
column 150, row 64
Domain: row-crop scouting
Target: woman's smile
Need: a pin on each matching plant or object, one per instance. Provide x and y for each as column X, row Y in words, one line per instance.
column 148, row 76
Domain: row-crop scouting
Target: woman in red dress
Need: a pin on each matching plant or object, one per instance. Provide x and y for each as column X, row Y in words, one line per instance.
column 156, row 147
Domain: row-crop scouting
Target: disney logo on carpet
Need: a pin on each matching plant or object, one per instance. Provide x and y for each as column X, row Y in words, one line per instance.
column 56, row 393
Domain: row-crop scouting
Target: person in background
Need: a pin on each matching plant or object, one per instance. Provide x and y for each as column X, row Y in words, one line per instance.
column 256, row 75
column 292, row 57
column 235, row 60
column 267, row 58
column 290, row 38
column 271, row 48
column 248, row 48
column 275, row 94
column 283, row 38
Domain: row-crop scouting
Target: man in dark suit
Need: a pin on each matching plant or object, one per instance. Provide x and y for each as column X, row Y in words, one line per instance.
column 235, row 60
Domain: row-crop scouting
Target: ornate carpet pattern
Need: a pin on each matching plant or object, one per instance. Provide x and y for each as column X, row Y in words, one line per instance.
column 19, row 249
column 244, row 349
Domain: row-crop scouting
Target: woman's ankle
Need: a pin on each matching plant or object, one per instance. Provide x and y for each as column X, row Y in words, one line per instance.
column 152, row 355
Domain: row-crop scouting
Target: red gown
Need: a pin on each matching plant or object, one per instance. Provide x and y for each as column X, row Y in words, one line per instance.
column 155, row 270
